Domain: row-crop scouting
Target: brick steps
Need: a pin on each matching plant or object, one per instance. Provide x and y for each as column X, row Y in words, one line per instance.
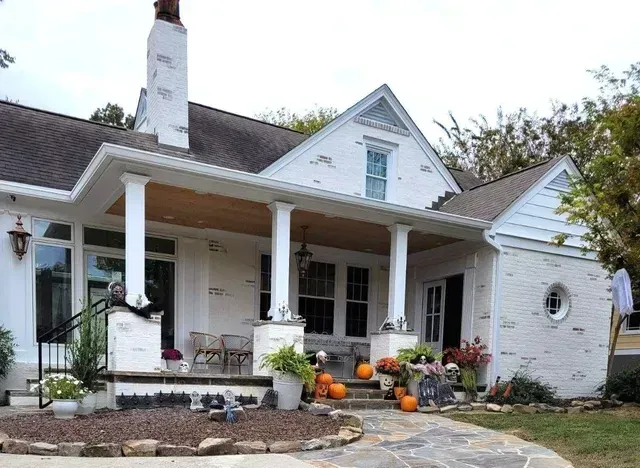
column 360, row 404
column 358, row 384
column 366, row 394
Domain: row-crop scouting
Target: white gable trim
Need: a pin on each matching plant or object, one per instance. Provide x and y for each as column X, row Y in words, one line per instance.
column 565, row 164
column 350, row 114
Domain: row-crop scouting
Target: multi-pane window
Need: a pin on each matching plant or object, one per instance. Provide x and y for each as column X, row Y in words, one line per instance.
column 554, row 303
column 265, row 285
column 357, row 301
column 633, row 322
column 316, row 292
column 377, row 163
column 53, row 274
column 116, row 240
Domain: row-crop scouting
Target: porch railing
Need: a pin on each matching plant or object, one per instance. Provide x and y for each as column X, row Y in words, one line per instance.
column 52, row 350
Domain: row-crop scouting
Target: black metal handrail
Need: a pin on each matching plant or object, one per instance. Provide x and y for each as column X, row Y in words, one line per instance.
column 52, row 337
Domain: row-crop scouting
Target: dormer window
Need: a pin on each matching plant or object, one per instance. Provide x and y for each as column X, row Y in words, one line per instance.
column 377, row 171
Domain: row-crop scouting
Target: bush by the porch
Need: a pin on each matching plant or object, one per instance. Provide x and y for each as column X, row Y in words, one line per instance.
column 87, row 349
column 625, row 384
column 526, row 389
column 7, row 352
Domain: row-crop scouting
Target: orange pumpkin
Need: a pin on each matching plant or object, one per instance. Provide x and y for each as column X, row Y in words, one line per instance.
column 324, row 378
column 409, row 403
column 364, row 371
column 337, row 391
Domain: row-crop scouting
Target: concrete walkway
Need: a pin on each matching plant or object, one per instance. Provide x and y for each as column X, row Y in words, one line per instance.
column 392, row 439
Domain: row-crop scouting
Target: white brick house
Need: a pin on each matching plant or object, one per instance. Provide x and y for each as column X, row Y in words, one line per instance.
column 201, row 210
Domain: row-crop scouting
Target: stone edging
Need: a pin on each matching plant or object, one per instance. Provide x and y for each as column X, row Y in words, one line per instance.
column 350, row 431
column 577, row 406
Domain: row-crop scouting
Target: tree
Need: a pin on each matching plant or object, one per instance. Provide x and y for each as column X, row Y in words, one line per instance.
column 113, row 114
column 5, row 58
column 607, row 198
column 516, row 140
column 309, row 123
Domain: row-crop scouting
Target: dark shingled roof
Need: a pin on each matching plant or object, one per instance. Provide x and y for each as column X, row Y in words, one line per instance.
column 466, row 179
column 488, row 201
column 52, row 150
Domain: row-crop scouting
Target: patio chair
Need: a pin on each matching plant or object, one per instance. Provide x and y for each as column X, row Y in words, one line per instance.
column 236, row 348
column 207, row 345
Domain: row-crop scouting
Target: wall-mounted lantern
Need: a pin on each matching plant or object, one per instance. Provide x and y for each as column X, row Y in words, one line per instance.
column 19, row 239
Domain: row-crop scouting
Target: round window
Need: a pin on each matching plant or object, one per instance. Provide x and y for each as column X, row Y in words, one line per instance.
column 557, row 302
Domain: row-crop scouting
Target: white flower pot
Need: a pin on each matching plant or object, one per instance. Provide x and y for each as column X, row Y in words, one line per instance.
column 386, row 381
column 64, row 409
column 173, row 364
column 289, row 388
column 88, row 404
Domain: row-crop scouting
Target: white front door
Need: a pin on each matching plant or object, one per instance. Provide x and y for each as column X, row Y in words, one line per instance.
column 433, row 313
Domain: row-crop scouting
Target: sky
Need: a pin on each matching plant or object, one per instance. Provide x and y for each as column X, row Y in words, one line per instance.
column 467, row 57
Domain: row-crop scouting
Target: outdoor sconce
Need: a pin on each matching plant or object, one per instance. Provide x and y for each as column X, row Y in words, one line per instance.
column 19, row 239
column 303, row 256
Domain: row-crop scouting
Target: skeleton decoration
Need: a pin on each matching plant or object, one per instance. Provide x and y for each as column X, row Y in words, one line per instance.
column 389, row 324
column 431, row 391
column 196, row 402
column 116, row 297
column 452, row 372
column 229, row 404
column 288, row 316
column 429, row 366
column 183, row 367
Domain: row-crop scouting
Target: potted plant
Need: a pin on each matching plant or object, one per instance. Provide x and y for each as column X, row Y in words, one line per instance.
column 172, row 358
column 469, row 357
column 65, row 391
column 388, row 368
column 7, row 352
column 413, row 355
column 405, row 375
column 291, row 370
column 85, row 354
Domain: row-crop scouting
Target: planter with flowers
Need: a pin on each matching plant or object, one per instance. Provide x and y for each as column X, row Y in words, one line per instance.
column 65, row 391
column 388, row 368
column 172, row 358
column 469, row 358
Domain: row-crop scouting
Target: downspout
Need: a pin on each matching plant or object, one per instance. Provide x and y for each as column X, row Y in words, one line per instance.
column 497, row 307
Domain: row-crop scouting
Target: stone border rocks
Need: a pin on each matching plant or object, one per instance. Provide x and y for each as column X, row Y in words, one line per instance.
column 576, row 406
column 351, row 430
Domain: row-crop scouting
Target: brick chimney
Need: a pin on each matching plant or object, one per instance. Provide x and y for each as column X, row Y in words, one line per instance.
column 167, row 93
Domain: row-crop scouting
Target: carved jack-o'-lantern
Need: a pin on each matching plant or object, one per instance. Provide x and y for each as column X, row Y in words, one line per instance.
column 322, row 390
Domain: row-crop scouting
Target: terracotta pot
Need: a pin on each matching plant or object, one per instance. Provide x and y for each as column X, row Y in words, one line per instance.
column 400, row 392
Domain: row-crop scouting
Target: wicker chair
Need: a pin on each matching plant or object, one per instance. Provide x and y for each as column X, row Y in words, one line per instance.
column 236, row 348
column 207, row 345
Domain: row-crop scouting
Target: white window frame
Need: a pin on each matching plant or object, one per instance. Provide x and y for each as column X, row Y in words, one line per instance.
column 388, row 155
column 258, row 283
column 112, row 250
column 630, row 331
column 67, row 244
column 391, row 150
column 335, row 293
column 565, row 302
column 347, row 300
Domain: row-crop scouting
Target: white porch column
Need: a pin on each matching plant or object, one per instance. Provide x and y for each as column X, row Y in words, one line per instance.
column 280, row 250
column 398, row 270
column 134, row 185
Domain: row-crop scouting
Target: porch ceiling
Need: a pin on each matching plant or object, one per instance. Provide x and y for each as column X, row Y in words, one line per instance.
column 210, row 211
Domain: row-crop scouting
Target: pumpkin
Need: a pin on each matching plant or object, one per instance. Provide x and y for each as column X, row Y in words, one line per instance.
column 364, row 371
column 324, row 378
column 337, row 391
column 409, row 403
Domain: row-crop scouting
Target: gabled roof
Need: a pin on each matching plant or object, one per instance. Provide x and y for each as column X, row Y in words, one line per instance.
column 489, row 200
column 52, row 150
column 466, row 179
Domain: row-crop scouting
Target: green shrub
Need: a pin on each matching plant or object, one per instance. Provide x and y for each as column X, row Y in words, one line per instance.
column 7, row 352
column 525, row 390
column 625, row 384
column 87, row 349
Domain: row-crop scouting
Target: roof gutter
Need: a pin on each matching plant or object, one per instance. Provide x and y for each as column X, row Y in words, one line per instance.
column 497, row 308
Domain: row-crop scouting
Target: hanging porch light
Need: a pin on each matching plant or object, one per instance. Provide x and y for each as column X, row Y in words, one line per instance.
column 303, row 256
column 19, row 239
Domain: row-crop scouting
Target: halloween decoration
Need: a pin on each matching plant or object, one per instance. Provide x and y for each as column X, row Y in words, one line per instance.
column 399, row 392
column 387, row 368
column 116, row 294
column 337, row 391
column 409, row 403
column 452, row 372
column 431, row 392
column 184, row 367
column 323, row 381
column 196, row 402
column 364, row 371
column 496, row 386
column 270, row 399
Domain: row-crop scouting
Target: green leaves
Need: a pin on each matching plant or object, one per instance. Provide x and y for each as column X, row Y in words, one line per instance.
column 7, row 352
column 286, row 360
column 309, row 123
column 87, row 348
column 113, row 114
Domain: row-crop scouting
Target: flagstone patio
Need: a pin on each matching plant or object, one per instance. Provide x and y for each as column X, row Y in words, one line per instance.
column 394, row 439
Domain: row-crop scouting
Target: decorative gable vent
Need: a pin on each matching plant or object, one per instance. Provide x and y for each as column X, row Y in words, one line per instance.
column 561, row 182
column 379, row 116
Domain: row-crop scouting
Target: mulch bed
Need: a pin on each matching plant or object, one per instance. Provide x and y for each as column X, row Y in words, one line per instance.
column 175, row 426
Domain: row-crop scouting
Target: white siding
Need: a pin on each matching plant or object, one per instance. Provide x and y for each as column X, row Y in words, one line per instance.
column 537, row 219
column 570, row 355
column 337, row 163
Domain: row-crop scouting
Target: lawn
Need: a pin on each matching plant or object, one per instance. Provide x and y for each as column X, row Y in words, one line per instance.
column 589, row 440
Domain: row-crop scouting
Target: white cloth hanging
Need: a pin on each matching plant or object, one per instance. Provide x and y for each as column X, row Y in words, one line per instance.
column 621, row 290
